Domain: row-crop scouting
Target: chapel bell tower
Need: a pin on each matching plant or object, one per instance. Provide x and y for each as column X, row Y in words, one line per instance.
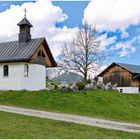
column 24, row 25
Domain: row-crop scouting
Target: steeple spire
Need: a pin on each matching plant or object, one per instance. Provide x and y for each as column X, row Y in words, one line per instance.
column 24, row 25
column 25, row 11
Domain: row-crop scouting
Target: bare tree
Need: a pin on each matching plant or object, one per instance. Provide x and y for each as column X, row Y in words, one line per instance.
column 83, row 53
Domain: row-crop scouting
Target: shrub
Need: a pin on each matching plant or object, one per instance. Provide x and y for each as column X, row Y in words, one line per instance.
column 81, row 85
column 88, row 81
column 96, row 78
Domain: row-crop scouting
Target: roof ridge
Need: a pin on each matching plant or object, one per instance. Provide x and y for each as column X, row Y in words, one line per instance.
column 127, row 64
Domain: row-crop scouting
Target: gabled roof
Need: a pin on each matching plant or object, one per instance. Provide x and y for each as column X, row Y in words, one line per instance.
column 25, row 21
column 134, row 69
column 17, row 52
column 130, row 67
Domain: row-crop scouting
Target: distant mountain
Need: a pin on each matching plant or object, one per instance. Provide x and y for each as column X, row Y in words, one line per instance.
column 69, row 77
column 52, row 72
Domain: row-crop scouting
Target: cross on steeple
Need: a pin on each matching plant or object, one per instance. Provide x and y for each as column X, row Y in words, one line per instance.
column 25, row 11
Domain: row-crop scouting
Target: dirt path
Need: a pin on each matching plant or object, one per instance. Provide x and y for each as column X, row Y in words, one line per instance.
column 92, row 121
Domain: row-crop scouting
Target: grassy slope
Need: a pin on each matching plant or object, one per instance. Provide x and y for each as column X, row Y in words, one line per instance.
column 104, row 104
column 20, row 126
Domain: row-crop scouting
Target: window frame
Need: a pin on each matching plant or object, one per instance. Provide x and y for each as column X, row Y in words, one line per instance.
column 26, row 70
column 121, row 90
column 5, row 71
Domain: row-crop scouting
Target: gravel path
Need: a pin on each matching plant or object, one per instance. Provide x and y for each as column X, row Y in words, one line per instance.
column 92, row 121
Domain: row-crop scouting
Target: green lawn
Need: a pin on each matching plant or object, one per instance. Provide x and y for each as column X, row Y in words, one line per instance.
column 16, row 126
column 99, row 103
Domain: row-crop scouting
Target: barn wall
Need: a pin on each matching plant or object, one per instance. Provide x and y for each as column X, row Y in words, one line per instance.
column 122, row 77
column 136, row 82
column 17, row 81
column 118, row 75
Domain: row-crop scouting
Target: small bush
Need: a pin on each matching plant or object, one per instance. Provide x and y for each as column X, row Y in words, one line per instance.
column 81, row 85
column 88, row 81
column 96, row 78
column 56, row 83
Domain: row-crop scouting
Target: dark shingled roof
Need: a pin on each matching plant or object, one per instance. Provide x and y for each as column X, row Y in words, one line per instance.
column 25, row 21
column 15, row 51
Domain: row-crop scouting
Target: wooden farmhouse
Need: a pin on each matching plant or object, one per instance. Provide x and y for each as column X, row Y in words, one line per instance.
column 23, row 62
column 126, row 76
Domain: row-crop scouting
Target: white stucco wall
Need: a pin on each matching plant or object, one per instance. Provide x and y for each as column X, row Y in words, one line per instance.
column 129, row 89
column 100, row 78
column 17, row 81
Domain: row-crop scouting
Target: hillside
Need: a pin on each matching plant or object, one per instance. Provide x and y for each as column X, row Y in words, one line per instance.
column 98, row 103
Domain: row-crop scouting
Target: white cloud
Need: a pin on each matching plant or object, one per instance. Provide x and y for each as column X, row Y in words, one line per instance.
column 126, row 48
column 95, row 73
column 105, row 41
column 43, row 15
column 133, row 50
column 59, row 37
column 113, row 14
column 123, row 53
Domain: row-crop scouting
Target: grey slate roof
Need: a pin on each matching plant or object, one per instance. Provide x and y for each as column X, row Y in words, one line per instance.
column 15, row 51
column 131, row 68
column 25, row 21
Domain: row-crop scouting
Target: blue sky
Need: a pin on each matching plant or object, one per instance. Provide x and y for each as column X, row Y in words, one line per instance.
column 6, row 4
column 74, row 10
column 121, row 37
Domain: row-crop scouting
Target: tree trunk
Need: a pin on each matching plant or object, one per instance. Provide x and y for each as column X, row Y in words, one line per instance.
column 85, row 76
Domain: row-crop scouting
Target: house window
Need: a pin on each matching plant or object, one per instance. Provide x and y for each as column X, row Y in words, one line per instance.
column 121, row 90
column 39, row 53
column 43, row 55
column 5, row 70
column 26, row 70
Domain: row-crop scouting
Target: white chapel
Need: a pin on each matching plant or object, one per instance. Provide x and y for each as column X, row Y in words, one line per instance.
column 23, row 62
